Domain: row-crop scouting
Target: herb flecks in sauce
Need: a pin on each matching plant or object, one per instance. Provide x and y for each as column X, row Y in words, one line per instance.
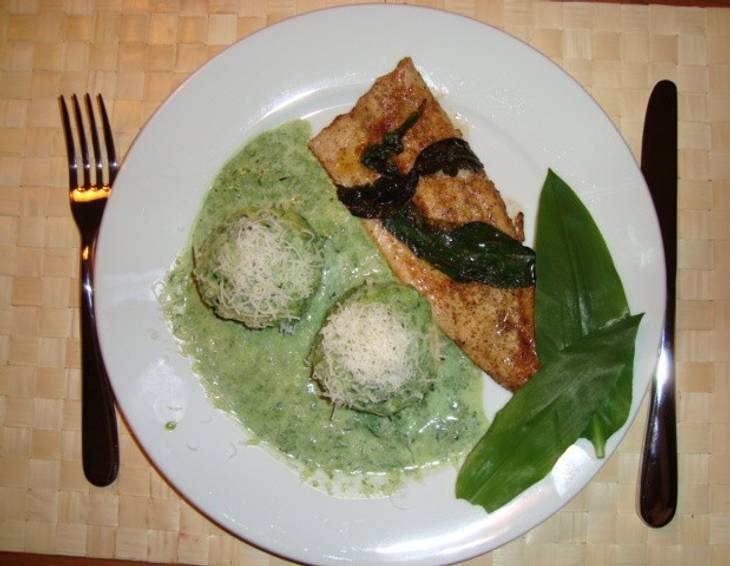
column 262, row 375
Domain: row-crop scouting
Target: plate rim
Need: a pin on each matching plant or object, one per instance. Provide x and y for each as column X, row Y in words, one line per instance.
column 195, row 76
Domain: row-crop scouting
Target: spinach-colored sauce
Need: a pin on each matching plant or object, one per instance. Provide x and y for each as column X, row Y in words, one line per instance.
column 261, row 376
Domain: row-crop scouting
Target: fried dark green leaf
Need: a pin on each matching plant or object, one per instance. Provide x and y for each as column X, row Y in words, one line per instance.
column 448, row 155
column 578, row 290
column 383, row 197
column 476, row 251
column 546, row 416
column 379, row 156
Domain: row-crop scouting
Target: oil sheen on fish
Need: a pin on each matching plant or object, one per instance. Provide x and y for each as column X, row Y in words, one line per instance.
column 494, row 326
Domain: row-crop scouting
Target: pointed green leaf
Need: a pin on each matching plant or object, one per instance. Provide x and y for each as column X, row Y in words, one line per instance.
column 578, row 290
column 546, row 416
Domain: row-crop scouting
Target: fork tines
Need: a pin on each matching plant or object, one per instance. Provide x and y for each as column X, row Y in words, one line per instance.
column 73, row 165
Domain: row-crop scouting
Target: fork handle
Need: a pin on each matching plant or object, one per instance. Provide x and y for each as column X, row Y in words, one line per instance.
column 100, row 444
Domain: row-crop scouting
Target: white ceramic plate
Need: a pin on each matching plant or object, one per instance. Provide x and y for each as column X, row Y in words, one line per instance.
column 520, row 112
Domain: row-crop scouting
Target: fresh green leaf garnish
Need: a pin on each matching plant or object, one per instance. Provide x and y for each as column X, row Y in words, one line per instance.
column 578, row 290
column 476, row 251
column 585, row 340
column 546, row 416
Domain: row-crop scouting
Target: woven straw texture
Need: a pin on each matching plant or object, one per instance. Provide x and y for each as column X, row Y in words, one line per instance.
column 135, row 52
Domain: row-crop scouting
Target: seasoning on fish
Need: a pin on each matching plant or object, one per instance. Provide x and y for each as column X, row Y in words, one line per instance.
column 494, row 326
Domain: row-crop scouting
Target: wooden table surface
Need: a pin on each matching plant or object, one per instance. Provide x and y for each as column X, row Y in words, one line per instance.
column 135, row 52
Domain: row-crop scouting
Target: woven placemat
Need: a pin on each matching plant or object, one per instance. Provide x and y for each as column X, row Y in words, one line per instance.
column 135, row 52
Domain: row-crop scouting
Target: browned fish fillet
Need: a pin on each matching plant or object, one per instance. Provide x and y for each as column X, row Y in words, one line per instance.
column 494, row 327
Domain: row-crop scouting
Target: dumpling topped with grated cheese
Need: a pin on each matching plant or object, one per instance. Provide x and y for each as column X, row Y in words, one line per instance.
column 378, row 349
column 259, row 267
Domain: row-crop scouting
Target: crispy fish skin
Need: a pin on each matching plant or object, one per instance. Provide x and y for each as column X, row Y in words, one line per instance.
column 494, row 326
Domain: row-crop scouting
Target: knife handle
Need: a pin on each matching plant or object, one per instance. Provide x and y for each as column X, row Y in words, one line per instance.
column 658, row 487
column 658, row 482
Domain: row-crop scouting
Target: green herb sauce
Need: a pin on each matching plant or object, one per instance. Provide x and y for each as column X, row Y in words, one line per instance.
column 262, row 377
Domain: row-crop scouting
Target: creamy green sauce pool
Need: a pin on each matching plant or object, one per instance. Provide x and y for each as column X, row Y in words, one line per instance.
column 262, row 377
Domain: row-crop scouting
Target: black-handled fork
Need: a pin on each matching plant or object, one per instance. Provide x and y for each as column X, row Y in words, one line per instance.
column 100, row 443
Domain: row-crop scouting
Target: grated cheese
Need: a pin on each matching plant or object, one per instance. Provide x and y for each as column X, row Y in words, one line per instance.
column 372, row 345
column 265, row 269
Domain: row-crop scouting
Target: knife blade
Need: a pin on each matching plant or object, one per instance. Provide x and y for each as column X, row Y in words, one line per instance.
column 658, row 483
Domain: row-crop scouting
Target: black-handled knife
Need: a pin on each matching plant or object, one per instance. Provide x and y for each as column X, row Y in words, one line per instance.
column 658, row 488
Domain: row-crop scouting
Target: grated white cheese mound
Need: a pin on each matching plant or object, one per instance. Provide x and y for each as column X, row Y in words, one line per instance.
column 375, row 352
column 259, row 268
column 373, row 345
